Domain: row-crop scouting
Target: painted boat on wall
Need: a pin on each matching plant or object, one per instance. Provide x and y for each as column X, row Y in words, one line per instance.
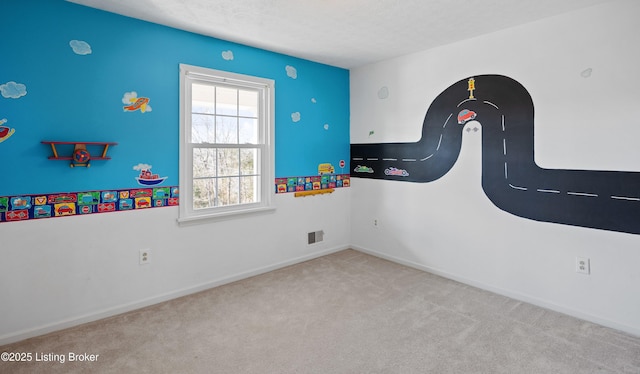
column 146, row 178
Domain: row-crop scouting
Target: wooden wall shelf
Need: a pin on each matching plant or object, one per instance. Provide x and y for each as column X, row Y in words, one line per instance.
column 80, row 156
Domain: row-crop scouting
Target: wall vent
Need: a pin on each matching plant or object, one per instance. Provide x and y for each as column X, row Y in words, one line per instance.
column 315, row 236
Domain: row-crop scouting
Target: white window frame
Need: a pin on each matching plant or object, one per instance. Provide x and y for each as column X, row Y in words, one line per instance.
column 266, row 87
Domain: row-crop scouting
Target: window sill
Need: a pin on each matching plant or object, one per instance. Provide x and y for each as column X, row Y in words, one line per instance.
column 223, row 216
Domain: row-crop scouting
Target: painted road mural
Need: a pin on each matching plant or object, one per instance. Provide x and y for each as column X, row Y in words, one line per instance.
column 608, row 200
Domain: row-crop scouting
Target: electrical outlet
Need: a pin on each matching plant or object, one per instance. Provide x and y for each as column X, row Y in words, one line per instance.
column 145, row 256
column 376, row 223
column 583, row 265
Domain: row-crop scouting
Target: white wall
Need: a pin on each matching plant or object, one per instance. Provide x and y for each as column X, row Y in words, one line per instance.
column 60, row 272
column 449, row 226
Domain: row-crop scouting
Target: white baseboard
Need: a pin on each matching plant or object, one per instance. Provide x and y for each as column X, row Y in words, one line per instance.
column 512, row 294
column 113, row 311
column 110, row 312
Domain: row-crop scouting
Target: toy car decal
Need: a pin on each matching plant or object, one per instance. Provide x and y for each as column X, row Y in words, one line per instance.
column 396, row 172
column 143, row 202
column 363, row 169
column 65, row 209
column 466, row 115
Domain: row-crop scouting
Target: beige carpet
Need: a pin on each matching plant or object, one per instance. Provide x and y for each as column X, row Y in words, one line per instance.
column 344, row 313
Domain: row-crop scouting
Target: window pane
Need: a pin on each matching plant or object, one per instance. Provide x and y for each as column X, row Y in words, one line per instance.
column 226, row 101
column 248, row 131
column 228, row 191
column 204, row 162
column 228, row 162
column 248, row 103
column 249, row 161
column 249, row 190
column 202, row 98
column 225, row 157
column 202, row 128
column 227, row 130
column 204, row 193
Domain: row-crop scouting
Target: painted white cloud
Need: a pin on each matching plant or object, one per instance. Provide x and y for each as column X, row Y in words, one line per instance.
column 13, row 90
column 383, row 93
column 227, row 55
column 295, row 117
column 291, row 72
column 80, row 47
column 140, row 167
column 129, row 97
column 326, row 126
column 586, row 73
column 313, row 100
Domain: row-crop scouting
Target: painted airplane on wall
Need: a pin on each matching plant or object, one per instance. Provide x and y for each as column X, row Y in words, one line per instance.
column 608, row 200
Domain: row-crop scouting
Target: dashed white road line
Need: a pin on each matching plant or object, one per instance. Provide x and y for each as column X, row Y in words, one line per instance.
column 626, row 198
column 439, row 142
column 582, row 194
column 547, row 191
column 492, row 104
column 445, row 122
column 518, row 187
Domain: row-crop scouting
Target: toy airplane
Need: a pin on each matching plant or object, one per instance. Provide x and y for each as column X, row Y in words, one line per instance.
column 80, row 155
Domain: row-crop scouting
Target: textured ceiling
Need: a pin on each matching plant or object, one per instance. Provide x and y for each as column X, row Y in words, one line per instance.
column 344, row 33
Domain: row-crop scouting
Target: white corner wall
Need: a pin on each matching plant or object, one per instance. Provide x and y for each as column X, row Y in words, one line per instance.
column 449, row 226
column 61, row 272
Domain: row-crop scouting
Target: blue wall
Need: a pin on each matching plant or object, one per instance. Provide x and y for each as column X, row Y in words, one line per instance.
column 78, row 97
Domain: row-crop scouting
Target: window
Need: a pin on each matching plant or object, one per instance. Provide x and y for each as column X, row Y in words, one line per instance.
column 226, row 150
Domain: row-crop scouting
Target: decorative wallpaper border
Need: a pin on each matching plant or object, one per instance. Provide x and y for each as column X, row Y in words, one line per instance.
column 25, row 207
column 316, row 182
